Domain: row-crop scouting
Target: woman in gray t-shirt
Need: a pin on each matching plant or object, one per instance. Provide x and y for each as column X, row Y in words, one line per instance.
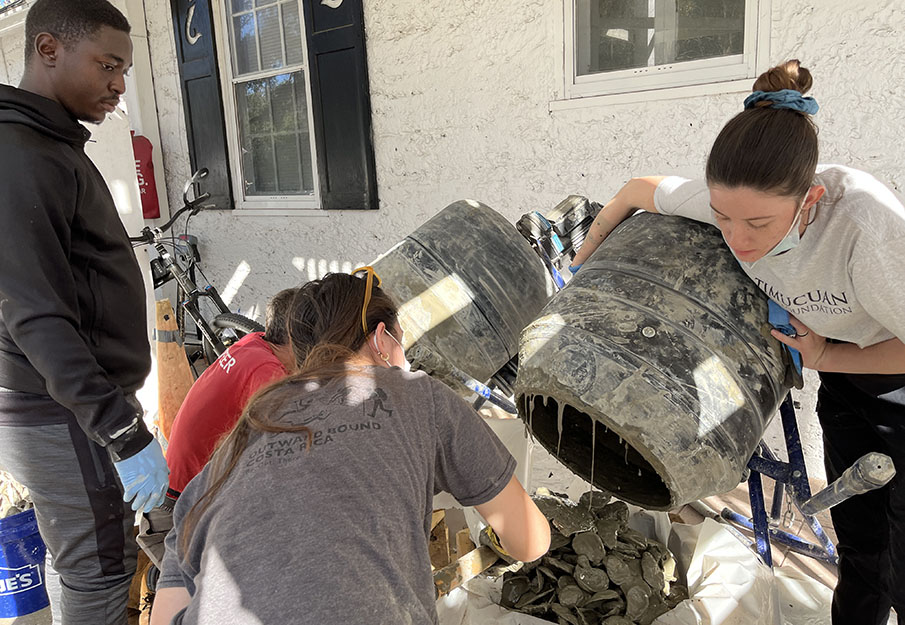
column 316, row 507
column 827, row 244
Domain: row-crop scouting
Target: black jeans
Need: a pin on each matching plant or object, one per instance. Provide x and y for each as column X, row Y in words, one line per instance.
column 860, row 414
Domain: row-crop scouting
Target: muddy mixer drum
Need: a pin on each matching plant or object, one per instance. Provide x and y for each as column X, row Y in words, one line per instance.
column 653, row 374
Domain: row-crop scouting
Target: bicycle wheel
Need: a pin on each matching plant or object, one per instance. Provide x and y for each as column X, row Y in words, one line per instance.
column 229, row 327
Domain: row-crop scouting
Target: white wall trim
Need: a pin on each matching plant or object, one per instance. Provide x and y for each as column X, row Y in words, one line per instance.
column 141, row 97
column 745, row 66
column 561, row 63
column 307, row 213
column 653, row 95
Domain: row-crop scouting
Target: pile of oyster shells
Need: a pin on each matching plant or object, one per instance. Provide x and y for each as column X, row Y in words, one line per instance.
column 598, row 571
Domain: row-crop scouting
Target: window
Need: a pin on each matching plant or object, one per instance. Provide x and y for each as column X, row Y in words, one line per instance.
column 620, row 46
column 268, row 115
column 277, row 103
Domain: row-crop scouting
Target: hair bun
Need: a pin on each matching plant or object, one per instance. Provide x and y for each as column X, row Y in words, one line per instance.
column 788, row 75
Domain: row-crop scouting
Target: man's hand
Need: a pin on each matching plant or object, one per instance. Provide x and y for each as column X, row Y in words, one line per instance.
column 145, row 477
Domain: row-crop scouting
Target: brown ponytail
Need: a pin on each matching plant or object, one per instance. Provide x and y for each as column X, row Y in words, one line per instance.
column 324, row 325
column 768, row 149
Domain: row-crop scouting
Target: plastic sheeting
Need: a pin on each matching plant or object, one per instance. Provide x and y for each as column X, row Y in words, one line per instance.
column 727, row 582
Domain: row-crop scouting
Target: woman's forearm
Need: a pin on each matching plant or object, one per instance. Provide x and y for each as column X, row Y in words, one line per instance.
column 887, row 357
column 638, row 193
column 167, row 603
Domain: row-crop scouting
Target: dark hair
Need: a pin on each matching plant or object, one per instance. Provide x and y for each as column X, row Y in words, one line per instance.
column 70, row 21
column 275, row 318
column 767, row 149
column 328, row 312
column 325, row 329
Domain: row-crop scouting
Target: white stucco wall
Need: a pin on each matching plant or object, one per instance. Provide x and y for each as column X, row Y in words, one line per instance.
column 460, row 93
column 12, row 52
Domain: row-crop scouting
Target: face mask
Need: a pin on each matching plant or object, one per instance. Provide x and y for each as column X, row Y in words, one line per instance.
column 788, row 242
column 407, row 366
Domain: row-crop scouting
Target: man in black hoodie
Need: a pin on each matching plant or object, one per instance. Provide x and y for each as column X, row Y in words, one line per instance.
column 73, row 329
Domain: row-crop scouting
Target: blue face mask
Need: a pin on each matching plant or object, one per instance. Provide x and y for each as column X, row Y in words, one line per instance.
column 788, row 242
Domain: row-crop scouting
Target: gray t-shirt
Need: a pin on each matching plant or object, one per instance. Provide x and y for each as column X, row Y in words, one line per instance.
column 337, row 534
column 845, row 278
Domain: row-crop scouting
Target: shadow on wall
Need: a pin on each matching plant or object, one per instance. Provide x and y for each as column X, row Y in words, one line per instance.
column 314, row 268
column 308, row 269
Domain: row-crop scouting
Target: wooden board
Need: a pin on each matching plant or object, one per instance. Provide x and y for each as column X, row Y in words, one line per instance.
column 173, row 370
column 438, row 548
column 464, row 543
column 468, row 566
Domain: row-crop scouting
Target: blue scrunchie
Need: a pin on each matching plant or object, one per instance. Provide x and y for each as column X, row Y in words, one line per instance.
column 784, row 99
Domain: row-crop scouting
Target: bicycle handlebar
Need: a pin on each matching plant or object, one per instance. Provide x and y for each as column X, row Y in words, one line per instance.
column 198, row 176
column 149, row 235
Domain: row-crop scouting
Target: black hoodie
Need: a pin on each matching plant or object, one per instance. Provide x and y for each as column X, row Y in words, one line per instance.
column 73, row 321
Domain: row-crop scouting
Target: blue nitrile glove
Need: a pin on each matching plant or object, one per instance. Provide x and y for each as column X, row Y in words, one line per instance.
column 574, row 268
column 779, row 319
column 145, row 477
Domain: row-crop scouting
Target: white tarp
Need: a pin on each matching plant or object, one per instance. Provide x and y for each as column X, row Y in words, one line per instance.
column 727, row 583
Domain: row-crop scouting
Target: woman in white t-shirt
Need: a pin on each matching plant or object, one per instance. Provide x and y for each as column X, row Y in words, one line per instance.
column 827, row 243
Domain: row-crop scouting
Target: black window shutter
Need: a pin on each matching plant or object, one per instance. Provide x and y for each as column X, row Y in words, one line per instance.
column 341, row 103
column 196, row 52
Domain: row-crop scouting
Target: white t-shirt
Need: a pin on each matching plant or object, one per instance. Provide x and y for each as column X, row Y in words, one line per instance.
column 846, row 278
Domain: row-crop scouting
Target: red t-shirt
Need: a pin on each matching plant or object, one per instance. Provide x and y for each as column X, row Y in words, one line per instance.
column 214, row 404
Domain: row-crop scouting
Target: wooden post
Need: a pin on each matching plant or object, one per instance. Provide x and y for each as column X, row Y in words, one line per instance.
column 140, row 598
column 464, row 543
column 439, row 543
column 174, row 374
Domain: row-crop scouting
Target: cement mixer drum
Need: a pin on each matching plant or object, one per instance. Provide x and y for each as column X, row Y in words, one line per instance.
column 466, row 283
column 653, row 374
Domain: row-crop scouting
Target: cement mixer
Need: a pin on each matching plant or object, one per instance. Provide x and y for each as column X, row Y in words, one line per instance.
column 652, row 374
column 466, row 283
column 648, row 377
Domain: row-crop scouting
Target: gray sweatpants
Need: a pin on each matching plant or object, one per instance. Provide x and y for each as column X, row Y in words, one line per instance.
column 83, row 520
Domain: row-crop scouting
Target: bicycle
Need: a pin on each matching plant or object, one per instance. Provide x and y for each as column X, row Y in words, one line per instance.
column 226, row 327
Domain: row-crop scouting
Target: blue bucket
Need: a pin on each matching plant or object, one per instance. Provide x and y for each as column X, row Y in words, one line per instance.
column 22, row 552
